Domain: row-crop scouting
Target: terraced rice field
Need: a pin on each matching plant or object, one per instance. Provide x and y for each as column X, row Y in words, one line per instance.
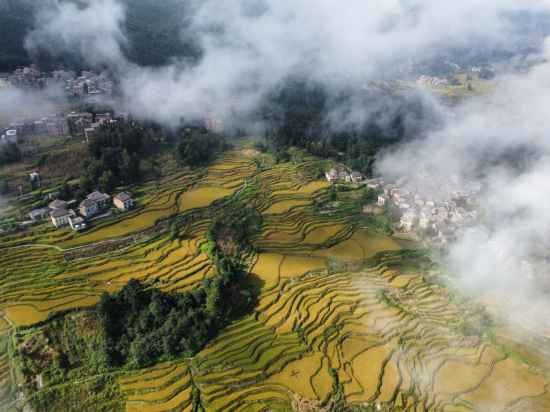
column 40, row 281
column 379, row 333
column 401, row 353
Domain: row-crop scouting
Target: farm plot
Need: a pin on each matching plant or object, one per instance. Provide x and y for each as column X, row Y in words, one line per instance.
column 38, row 288
column 39, row 281
column 386, row 348
column 4, row 376
column 163, row 388
column 379, row 335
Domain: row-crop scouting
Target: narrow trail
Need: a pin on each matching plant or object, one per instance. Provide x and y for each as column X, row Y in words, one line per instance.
column 35, row 245
column 61, row 249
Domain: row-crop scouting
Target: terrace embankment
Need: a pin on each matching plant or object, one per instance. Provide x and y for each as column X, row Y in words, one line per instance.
column 344, row 314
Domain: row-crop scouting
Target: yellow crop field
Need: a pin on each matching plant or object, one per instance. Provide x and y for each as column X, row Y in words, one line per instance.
column 314, row 186
column 346, row 251
column 285, row 205
column 373, row 243
column 296, row 376
column 24, row 315
column 201, row 197
column 322, row 234
column 157, row 371
column 181, row 398
column 509, row 381
column 341, row 313
column 298, row 265
column 267, row 267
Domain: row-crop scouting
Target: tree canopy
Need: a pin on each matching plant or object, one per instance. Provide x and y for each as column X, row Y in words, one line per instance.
column 198, row 148
column 9, row 153
column 351, row 125
column 116, row 152
column 143, row 325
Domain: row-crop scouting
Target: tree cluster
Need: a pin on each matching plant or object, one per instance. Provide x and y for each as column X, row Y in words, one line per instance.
column 156, row 32
column 143, row 325
column 199, row 147
column 16, row 17
column 115, row 154
column 296, row 115
column 9, row 153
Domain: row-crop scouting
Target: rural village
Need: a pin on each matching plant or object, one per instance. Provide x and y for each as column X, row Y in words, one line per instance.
column 95, row 206
column 436, row 221
column 274, row 206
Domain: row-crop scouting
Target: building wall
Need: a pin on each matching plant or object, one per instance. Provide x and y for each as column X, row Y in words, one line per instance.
column 60, row 221
column 123, row 205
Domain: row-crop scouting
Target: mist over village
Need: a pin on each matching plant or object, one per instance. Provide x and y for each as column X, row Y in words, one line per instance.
column 288, row 206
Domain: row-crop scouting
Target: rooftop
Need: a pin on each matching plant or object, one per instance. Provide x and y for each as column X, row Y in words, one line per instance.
column 98, row 196
column 40, row 211
column 87, row 203
column 123, row 197
column 59, row 213
column 58, row 204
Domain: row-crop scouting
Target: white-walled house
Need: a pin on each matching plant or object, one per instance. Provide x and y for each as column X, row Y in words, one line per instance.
column 60, row 217
column 123, row 201
column 88, row 208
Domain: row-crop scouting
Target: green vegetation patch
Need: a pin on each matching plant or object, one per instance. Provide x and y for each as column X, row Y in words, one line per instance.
column 143, row 326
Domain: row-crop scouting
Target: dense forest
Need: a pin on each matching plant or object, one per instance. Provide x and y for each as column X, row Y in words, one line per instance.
column 303, row 114
column 16, row 18
column 9, row 153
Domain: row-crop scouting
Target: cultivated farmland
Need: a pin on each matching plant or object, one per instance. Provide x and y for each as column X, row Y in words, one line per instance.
column 345, row 315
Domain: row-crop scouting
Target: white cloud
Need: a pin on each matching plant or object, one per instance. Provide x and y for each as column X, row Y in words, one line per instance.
column 502, row 141
column 92, row 28
column 249, row 46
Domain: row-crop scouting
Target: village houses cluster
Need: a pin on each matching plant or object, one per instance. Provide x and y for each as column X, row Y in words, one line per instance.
column 433, row 81
column 53, row 125
column 59, row 124
column 74, row 124
column 87, row 84
column 436, row 221
column 342, row 175
column 96, row 203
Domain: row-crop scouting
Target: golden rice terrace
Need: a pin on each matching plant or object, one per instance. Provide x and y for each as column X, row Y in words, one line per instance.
column 347, row 318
